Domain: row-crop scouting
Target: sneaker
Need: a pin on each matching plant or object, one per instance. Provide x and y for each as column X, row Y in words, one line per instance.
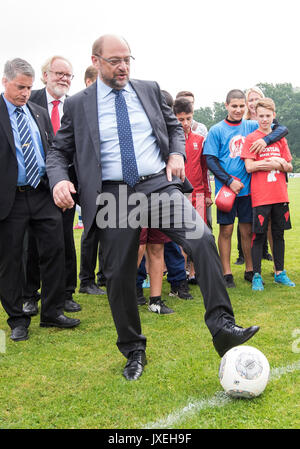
column 181, row 290
column 248, row 276
column 240, row 260
column 158, row 306
column 228, row 278
column 283, row 279
column 141, row 300
column 257, row 282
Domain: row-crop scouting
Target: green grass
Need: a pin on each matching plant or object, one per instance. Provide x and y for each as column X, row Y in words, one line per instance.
column 73, row 378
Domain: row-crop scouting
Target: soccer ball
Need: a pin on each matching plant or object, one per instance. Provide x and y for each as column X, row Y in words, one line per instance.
column 244, row 372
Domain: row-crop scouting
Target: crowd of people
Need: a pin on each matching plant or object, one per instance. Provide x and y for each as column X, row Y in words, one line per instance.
column 61, row 152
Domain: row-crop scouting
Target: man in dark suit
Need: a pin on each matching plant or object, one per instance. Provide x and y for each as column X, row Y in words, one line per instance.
column 127, row 143
column 57, row 74
column 25, row 133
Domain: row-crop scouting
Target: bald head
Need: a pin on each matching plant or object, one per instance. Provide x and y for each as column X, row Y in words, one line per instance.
column 108, row 42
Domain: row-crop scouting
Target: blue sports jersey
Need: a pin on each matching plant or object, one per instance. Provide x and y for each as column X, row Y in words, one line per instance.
column 225, row 141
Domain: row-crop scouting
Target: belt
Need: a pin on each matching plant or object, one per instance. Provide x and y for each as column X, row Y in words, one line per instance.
column 142, row 178
column 26, row 188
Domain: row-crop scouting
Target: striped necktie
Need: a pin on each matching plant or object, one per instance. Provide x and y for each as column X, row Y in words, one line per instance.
column 128, row 160
column 31, row 165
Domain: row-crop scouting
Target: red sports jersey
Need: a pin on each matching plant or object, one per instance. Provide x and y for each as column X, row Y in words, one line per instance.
column 267, row 187
column 196, row 172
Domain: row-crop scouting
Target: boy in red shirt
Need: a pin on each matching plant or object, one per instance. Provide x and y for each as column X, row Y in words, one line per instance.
column 195, row 165
column 268, row 193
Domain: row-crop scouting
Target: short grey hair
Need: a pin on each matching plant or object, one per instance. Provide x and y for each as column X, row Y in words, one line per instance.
column 16, row 67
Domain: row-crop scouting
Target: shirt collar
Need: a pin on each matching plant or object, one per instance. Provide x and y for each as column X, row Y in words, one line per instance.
column 12, row 107
column 50, row 98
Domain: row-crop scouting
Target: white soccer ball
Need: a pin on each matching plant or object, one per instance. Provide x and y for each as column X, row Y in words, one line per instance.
column 244, row 372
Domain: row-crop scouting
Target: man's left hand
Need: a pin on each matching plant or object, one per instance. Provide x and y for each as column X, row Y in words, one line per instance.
column 258, row 146
column 175, row 166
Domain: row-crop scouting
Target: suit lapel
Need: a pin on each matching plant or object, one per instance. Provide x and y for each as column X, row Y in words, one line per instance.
column 6, row 125
column 91, row 112
column 44, row 102
column 144, row 99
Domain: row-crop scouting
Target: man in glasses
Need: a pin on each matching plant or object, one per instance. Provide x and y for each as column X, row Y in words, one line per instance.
column 57, row 75
column 126, row 141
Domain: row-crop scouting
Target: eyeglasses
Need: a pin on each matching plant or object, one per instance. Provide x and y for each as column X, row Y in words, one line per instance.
column 61, row 75
column 116, row 61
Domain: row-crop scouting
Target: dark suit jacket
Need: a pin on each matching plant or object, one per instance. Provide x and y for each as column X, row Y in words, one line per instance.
column 39, row 97
column 79, row 137
column 8, row 158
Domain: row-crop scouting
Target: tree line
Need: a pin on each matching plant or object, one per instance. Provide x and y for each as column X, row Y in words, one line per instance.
column 287, row 101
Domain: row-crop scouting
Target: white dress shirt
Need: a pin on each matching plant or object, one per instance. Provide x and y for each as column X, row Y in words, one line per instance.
column 147, row 152
column 60, row 106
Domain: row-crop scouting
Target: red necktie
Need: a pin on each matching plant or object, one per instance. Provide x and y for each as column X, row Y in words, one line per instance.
column 55, row 116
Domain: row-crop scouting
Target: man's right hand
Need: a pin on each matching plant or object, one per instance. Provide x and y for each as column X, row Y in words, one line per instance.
column 62, row 194
column 236, row 186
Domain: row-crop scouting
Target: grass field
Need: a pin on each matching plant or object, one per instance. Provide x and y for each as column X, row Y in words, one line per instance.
column 72, row 379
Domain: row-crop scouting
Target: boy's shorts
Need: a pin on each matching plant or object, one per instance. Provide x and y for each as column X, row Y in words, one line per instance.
column 242, row 209
column 279, row 214
column 149, row 235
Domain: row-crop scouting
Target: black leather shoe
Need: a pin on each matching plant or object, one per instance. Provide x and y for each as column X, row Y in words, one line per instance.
column 92, row 289
column 232, row 335
column 19, row 333
column 61, row 321
column 71, row 306
column 135, row 365
column 30, row 307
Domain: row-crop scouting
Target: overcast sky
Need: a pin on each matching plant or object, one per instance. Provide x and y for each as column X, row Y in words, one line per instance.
column 206, row 46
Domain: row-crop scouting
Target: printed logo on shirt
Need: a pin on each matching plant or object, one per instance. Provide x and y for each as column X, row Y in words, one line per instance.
column 271, row 176
column 269, row 152
column 195, row 145
column 235, row 146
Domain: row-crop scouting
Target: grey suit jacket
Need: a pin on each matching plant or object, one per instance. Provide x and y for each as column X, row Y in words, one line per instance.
column 79, row 138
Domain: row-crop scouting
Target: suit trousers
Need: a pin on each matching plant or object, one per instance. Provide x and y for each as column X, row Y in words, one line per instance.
column 34, row 208
column 32, row 278
column 120, row 242
column 90, row 249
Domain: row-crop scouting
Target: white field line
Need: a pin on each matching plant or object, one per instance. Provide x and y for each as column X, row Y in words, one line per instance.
column 220, row 399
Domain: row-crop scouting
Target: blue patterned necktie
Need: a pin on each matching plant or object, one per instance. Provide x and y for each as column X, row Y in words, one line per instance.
column 31, row 165
column 129, row 165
